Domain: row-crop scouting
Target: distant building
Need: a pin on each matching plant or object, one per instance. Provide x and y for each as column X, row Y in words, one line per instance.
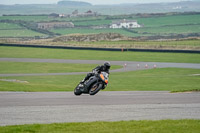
column 177, row 7
column 125, row 24
column 61, row 15
column 76, row 13
column 50, row 25
column 85, row 14
column 90, row 13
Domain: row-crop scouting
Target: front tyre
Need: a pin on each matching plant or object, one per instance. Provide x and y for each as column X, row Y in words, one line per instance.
column 95, row 88
column 77, row 91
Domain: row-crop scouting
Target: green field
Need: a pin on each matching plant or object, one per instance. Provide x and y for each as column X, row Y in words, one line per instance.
column 101, row 20
column 153, row 26
column 171, row 29
column 19, row 33
column 40, row 18
column 14, row 30
column 149, row 31
column 151, row 21
column 161, row 126
column 4, row 26
column 25, row 18
column 170, row 20
column 93, row 22
column 180, row 24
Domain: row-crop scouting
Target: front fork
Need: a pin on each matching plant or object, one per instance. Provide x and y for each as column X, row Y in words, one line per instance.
column 104, row 86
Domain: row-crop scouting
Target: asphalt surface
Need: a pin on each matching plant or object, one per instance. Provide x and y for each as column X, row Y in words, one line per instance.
column 50, row 107
column 127, row 65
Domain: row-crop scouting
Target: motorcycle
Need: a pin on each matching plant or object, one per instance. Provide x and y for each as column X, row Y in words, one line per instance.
column 93, row 85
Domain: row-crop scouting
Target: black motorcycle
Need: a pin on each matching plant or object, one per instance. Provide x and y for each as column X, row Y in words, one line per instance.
column 93, row 85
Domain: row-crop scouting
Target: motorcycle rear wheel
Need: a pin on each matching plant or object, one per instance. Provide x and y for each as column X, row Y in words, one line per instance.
column 95, row 88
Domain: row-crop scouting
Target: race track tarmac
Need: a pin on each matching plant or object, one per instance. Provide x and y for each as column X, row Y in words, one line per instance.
column 55, row 107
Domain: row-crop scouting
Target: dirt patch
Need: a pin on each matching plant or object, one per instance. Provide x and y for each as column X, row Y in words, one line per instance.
column 92, row 37
column 195, row 74
column 14, row 80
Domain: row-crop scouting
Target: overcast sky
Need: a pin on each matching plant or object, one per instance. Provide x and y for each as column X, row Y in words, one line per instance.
column 94, row 2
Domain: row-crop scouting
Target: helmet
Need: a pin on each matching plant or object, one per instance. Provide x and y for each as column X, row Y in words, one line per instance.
column 107, row 65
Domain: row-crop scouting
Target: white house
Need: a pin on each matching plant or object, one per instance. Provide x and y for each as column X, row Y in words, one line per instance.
column 125, row 24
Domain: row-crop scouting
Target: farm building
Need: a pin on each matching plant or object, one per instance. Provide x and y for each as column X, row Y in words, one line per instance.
column 125, row 24
column 50, row 25
column 85, row 14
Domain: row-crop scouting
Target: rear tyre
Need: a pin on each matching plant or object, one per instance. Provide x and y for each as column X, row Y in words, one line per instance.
column 95, row 88
column 77, row 91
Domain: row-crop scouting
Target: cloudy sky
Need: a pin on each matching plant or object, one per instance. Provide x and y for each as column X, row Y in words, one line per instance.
column 95, row 2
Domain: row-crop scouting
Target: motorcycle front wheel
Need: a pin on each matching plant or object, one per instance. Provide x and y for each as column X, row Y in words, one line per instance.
column 77, row 91
column 95, row 88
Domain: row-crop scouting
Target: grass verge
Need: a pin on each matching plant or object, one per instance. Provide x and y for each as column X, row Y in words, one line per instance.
column 161, row 126
column 163, row 79
column 35, row 67
column 19, row 52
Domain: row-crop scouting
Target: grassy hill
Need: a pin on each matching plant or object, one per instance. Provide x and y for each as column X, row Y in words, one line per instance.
column 73, row 3
column 184, row 6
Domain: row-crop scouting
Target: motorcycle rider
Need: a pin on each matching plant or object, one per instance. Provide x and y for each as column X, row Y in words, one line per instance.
column 103, row 68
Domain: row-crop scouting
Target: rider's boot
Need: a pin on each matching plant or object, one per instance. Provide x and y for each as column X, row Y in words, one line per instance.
column 86, row 78
column 81, row 82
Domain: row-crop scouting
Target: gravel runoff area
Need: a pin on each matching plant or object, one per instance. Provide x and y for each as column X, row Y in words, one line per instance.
column 127, row 65
column 50, row 107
